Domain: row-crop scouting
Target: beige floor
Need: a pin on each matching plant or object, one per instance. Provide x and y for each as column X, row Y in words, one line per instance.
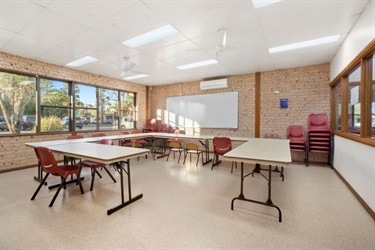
column 186, row 207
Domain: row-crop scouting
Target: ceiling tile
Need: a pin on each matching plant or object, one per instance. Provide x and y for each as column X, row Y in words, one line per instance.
column 26, row 47
column 25, row 11
column 5, row 37
column 48, row 27
column 89, row 13
column 88, row 42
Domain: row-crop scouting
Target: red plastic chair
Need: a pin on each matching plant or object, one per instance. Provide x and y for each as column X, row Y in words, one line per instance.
column 222, row 145
column 164, row 128
column 49, row 165
column 71, row 137
column 318, row 122
column 151, row 126
column 124, row 142
column 98, row 134
column 95, row 165
column 296, row 135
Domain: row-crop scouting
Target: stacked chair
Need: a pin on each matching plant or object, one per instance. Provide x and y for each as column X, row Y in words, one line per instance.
column 319, row 135
column 297, row 137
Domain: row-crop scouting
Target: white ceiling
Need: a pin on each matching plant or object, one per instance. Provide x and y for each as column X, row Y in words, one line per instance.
column 58, row 32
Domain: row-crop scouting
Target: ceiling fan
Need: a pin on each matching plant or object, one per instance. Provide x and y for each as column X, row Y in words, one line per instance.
column 128, row 67
column 221, row 42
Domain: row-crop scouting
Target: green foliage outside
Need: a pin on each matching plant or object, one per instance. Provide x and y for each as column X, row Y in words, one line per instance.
column 50, row 123
column 16, row 91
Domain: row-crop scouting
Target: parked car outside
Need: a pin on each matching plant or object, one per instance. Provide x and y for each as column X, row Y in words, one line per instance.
column 79, row 122
column 3, row 124
column 127, row 122
column 28, row 122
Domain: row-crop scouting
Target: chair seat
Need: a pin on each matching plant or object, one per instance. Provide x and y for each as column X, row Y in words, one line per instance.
column 91, row 164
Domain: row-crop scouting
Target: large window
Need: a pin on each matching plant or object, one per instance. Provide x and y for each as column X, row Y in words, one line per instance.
column 372, row 120
column 108, row 109
column 61, row 105
column 354, row 101
column 127, row 110
column 17, row 103
column 337, row 98
column 353, row 94
column 55, row 106
column 86, row 106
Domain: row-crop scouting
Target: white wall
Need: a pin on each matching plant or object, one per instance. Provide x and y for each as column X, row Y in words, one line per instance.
column 353, row 160
column 356, row 163
column 360, row 36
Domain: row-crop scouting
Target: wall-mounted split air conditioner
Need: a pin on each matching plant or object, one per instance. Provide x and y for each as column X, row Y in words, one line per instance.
column 214, row 84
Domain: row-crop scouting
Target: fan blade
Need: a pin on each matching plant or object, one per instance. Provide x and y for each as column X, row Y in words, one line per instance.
column 130, row 66
column 224, row 40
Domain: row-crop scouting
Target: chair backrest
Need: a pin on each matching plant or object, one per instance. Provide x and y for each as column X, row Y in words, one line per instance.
column 222, row 145
column 295, row 131
column 124, row 132
column 151, row 124
column 136, row 132
column 164, row 128
column 318, row 120
column 191, row 146
column 70, row 137
column 105, row 141
column 98, row 135
column 176, row 131
column 46, row 160
column 271, row 136
column 174, row 144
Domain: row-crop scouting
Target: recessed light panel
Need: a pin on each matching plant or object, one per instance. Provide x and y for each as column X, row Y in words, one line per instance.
column 197, row 64
column 309, row 43
column 135, row 77
column 262, row 3
column 151, row 36
column 82, row 61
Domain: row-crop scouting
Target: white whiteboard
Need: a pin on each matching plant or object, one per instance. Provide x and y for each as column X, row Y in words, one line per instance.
column 217, row 110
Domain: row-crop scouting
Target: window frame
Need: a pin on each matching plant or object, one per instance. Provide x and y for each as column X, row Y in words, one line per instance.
column 364, row 60
column 71, row 107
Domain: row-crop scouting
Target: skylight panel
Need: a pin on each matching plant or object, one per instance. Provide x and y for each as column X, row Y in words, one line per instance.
column 151, row 36
column 198, row 64
column 82, row 61
column 304, row 44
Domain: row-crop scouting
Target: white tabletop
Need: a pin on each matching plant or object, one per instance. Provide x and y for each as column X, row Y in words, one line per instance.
column 99, row 152
column 262, row 151
column 129, row 136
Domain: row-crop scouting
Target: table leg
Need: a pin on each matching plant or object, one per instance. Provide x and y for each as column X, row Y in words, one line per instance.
column 131, row 200
column 206, row 146
column 268, row 203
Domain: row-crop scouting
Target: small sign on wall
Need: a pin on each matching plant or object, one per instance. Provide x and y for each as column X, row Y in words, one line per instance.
column 283, row 103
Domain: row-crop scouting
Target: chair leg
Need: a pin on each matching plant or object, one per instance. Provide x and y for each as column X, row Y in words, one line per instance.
column 40, row 185
column 57, row 192
column 185, row 158
column 110, row 175
column 196, row 164
column 168, row 154
column 179, row 156
column 92, row 178
column 79, row 182
column 214, row 160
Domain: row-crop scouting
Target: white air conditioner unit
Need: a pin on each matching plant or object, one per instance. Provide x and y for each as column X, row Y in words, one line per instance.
column 214, row 84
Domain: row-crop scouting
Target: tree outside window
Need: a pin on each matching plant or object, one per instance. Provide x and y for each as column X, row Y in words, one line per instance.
column 17, row 99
